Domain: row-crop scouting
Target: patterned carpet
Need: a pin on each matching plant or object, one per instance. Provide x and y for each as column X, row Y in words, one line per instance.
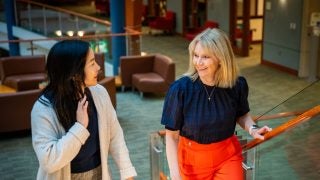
column 271, row 91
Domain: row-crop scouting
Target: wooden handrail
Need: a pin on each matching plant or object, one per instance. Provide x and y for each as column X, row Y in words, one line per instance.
column 162, row 176
column 276, row 116
column 284, row 127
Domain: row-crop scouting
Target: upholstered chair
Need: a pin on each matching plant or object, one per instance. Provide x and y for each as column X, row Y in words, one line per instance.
column 147, row 74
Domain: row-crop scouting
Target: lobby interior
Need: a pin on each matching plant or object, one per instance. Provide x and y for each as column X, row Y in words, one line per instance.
column 291, row 155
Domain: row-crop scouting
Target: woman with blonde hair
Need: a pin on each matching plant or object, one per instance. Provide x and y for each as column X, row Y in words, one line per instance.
column 201, row 111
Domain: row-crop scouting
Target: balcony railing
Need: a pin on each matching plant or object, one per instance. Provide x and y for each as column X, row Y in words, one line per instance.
column 52, row 21
column 39, row 26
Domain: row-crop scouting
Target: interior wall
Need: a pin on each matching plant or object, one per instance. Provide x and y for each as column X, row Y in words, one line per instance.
column 309, row 6
column 219, row 11
column 176, row 6
column 282, row 33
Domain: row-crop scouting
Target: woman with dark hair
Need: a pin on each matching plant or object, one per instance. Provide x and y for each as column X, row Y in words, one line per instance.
column 74, row 125
column 201, row 111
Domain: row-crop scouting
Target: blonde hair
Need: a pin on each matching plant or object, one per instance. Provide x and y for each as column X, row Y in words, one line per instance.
column 215, row 42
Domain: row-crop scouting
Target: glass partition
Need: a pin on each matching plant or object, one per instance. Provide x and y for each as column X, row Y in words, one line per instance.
column 293, row 154
column 39, row 26
column 56, row 22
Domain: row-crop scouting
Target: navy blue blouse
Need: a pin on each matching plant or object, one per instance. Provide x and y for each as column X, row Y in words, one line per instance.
column 89, row 155
column 187, row 108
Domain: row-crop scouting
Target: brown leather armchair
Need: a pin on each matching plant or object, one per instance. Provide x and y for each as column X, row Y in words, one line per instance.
column 108, row 82
column 151, row 73
column 23, row 72
column 15, row 110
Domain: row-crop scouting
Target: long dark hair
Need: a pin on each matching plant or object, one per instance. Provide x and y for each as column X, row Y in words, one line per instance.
column 65, row 68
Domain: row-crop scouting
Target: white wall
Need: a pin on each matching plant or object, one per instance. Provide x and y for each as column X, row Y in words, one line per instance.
column 218, row 10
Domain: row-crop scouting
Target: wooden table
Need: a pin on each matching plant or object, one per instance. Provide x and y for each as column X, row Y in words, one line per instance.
column 6, row 89
column 118, row 81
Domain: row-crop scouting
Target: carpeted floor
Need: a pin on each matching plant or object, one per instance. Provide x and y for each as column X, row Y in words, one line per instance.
column 270, row 90
column 293, row 155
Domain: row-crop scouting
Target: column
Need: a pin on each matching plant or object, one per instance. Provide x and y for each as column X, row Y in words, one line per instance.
column 117, row 14
column 10, row 20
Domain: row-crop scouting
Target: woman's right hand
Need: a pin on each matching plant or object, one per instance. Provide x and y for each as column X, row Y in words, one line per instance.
column 82, row 112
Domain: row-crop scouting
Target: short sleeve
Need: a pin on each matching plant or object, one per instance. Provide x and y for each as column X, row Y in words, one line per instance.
column 243, row 90
column 172, row 117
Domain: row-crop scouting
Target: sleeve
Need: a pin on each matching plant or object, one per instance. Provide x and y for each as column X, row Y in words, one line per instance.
column 120, row 152
column 118, row 148
column 243, row 91
column 54, row 152
column 172, row 115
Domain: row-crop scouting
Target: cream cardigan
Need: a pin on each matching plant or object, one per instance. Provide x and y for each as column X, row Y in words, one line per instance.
column 55, row 148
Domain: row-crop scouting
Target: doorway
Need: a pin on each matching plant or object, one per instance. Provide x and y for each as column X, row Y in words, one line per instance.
column 246, row 24
column 194, row 14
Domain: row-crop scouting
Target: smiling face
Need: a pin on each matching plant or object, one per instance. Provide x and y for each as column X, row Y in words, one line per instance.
column 206, row 64
column 91, row 70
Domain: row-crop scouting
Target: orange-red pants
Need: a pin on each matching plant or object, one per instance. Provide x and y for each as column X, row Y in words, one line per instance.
column 218, row 161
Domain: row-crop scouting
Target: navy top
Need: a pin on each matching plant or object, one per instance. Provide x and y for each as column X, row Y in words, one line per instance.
column 89, row 154
column 187, row 108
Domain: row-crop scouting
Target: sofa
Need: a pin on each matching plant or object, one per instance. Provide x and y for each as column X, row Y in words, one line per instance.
column 23, row 72
column 16, row 109
column 147, row 74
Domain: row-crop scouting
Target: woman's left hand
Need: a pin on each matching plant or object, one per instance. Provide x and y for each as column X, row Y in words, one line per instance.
column 258, row 133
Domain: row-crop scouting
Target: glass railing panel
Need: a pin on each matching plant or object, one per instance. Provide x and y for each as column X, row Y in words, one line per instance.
column 158, row 161
column 30, row 17
column 36, row 21
column 249, row 159
column 293, row 154
column 55, row 22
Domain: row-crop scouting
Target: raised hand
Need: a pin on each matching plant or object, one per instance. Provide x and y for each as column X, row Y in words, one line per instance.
column 82, row 112
column 258, row 133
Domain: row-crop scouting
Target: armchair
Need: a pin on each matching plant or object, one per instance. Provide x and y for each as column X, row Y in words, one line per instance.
column 193, row 32
column 108, row 82
column 166, row 23
column 151, row 73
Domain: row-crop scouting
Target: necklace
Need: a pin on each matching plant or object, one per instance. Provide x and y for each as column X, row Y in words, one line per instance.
column 209, row 96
